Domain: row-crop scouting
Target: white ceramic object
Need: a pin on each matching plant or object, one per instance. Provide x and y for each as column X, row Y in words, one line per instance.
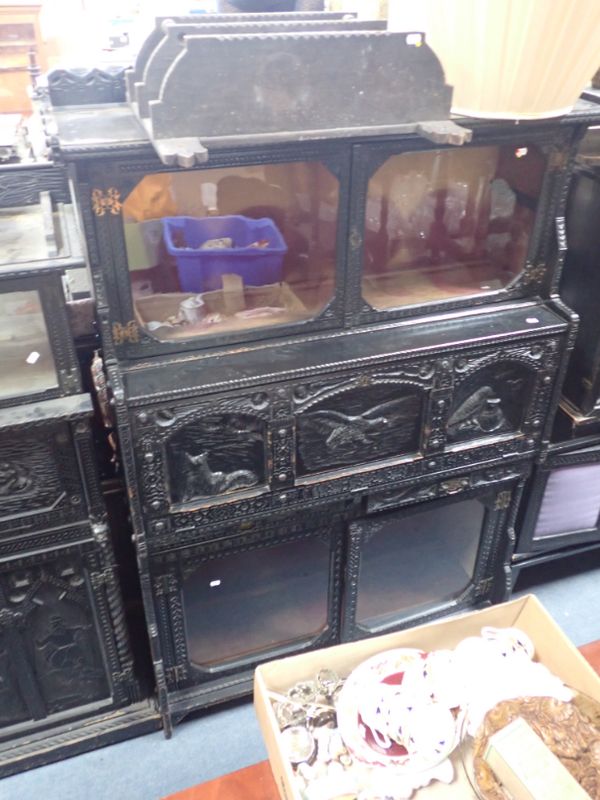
column 498, row 666
column 381, row 723
column 437, row 677
column 515, row 59
column 193, row 308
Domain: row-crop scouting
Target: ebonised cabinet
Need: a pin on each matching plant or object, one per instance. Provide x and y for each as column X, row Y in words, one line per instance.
column 330, row 437
column 67, row 678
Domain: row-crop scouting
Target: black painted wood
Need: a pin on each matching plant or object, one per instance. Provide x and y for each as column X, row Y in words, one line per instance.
column 238, row 448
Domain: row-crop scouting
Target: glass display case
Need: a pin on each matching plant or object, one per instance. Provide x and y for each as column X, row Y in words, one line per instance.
column 231, row 250
column 449, row 224
column 36, row 347
column 563, row 501
column 28, row 362
column 425, row 559
column 258, row 595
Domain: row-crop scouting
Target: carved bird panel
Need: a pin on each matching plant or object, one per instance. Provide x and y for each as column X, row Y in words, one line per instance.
column 359, row 425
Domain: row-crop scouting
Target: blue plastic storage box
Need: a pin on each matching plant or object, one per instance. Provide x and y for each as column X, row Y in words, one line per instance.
column 201, row 270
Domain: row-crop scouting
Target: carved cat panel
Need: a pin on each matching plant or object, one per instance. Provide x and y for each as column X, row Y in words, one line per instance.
column 216, row 455
column 359, row 425
column 491, row 401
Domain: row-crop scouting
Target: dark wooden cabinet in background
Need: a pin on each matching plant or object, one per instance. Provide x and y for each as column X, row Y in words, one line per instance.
column 67, row 677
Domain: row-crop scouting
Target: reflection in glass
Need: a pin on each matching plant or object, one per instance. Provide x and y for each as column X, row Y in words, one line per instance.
column 254, row 601
column 410, row 562
column 25, row 352
column 571, row 501
column 230, row 249
column 449, row 223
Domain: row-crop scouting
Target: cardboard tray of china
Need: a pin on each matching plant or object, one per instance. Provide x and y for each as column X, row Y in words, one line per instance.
column 521, row 628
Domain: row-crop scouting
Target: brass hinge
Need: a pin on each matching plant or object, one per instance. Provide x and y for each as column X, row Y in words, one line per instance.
column 503, row 501
column 126, row 333
column 100, row 579
column 175, row 674
column 484, row 586
column 558, row 159
column 106, row 203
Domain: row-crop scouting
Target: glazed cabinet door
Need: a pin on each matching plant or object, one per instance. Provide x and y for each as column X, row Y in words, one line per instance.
column 247, row 248
column 269, row 590
column 562, row 504
column 36, row 345
column 422, row 552
column 439, row 229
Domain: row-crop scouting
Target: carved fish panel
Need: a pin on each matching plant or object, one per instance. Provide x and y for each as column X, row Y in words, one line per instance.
column 216, row 455
column 492, row 401
column 359, row 425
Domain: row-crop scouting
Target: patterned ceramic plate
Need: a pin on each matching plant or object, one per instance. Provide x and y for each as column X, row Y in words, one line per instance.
column 369, row 690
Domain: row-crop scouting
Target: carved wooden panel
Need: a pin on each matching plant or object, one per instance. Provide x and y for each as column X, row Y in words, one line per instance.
column 358, row 425
column 55, row 656
column 215, row 455
column 38, row 474
column 12, row 705
column 492, row 400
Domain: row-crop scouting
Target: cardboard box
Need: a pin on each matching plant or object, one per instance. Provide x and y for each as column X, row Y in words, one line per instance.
column 552, row 646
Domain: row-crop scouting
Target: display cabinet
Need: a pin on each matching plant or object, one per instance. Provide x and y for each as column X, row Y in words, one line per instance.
column 67, row 678
column 563, row 500
column 580, row 288
column 332, row 334
column 426, row 230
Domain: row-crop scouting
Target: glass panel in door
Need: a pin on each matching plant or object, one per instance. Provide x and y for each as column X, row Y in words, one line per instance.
column 571, row 501
column 25, row 352
column 410, row 562
column 231, row 249
column 249, row 602
column 446, row 224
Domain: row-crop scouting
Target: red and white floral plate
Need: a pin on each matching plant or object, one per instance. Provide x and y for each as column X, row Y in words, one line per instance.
column 373, row 703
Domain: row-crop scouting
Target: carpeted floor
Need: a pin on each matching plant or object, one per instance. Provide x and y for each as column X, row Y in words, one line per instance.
column 212, row 744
